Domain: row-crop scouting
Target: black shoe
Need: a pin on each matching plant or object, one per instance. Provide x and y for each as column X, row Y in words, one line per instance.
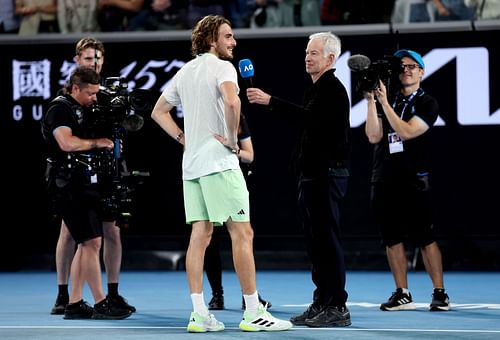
column 331, row 316
column 78, row 310
column 310, row 312
column 106, row 310
column 265, row 303
column 440, row 301
column 399, row 301
column 59, row 306
column 120, row 302
column 217, row 302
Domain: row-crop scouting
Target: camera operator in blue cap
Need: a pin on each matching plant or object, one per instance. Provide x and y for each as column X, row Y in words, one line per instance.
column 399, row 126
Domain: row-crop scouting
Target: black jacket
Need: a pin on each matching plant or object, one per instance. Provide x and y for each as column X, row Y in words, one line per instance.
column 324, row 117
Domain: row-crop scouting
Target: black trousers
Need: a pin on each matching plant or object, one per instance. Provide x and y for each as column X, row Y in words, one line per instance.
column 319, row 204
column 213, row 261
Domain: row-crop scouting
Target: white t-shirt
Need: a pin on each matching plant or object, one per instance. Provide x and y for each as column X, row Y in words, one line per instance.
column 196, row 85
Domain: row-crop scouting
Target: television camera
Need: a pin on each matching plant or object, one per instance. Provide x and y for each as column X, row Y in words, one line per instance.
column 369, row 73
column 117, row 112
column 117, row 107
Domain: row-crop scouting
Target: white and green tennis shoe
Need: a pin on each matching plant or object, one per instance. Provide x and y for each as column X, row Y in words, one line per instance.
column 263, row 321
column 202, row 324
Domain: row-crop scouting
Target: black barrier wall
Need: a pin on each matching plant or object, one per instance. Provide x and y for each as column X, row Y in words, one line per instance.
column 460, row 72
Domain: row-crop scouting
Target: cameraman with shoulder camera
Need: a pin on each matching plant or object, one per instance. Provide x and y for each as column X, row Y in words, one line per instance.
column 399, row 126
column 75, row 193
column 89, row 52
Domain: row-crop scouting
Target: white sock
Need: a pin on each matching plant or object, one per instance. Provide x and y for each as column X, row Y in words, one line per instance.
column 251, row 302
column 405, row 290
column 199, row 305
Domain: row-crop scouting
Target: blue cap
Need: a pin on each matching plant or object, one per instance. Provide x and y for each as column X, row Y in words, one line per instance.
column 412, row 54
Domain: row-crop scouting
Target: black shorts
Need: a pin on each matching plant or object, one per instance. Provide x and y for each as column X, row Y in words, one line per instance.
column 403, row 211
column 79, row 207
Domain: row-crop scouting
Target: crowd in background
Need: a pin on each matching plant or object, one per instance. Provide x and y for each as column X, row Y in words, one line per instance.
column 66, row 16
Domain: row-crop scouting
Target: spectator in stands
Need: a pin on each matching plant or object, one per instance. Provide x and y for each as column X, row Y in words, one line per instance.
column 37, row 16
column 160, row 15
column 422, row 11
column 448, row 10
column 199, row 8
column 118, row 15
column 77, row 16
column 330, row 12
column 310, row 12
column 364, row 12
column 9, row 22
column 485, row 9
column 239, row 13
column 273, row 13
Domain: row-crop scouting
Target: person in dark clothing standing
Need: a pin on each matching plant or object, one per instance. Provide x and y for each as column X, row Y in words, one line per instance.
column 401, row 193
column 323, row 160
column 89, row 52
column 73, row 185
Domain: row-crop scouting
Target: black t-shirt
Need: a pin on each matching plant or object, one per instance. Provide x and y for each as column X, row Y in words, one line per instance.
column 415, row 158
column 244, row 130
column 324, row 116
column 244, row 133
column 63, row 111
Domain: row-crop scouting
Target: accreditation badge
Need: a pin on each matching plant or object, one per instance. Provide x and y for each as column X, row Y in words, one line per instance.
column 395, row 143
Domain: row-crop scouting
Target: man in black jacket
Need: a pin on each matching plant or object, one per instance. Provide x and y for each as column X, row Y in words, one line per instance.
column 322, row 167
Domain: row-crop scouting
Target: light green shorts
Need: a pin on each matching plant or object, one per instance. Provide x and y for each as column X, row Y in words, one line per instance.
column 217, row 198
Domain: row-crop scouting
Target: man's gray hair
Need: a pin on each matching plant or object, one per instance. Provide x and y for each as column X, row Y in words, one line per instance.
column 331, row 41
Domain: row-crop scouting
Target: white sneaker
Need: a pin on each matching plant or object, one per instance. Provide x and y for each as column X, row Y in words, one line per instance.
column 263, row 321
column 202, row 324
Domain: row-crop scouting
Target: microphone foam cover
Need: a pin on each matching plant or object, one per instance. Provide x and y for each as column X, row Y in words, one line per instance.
column 246, row 68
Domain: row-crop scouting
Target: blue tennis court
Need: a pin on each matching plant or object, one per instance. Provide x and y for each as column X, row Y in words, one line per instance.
column 163, row 307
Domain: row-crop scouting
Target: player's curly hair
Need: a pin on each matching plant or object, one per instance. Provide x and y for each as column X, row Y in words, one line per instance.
column 205, row 32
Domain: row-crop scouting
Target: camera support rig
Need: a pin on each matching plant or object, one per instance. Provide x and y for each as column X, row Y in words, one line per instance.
column 117, row 112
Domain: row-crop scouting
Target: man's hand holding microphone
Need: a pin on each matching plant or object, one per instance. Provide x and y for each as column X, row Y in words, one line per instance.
column 255, row 95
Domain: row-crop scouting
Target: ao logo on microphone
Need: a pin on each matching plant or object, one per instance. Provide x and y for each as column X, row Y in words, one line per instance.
column 247, row 68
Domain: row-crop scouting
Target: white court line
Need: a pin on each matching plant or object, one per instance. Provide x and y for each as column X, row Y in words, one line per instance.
column 307, row 329
column 417, row 304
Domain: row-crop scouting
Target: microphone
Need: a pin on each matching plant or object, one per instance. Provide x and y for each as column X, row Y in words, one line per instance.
column 358, row 62
column 246, row 71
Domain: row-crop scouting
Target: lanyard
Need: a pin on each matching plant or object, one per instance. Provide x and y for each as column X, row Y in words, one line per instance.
column 405, row 101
